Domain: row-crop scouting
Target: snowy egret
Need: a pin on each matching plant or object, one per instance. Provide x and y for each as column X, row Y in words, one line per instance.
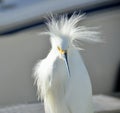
column 62, row 79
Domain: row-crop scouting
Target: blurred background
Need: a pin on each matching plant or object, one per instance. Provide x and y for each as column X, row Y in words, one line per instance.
column 21, row 47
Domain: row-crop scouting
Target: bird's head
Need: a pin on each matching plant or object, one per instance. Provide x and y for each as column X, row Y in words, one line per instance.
column 60, row 45
column 65, row 33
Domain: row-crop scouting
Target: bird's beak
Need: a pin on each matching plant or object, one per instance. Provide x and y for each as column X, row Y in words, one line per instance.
column 64, row 54
column 66, row 63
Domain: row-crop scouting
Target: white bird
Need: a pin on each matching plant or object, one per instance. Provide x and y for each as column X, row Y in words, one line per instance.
column 62, row 79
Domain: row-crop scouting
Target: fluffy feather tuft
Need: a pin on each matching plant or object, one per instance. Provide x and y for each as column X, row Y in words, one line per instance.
column 64, row 26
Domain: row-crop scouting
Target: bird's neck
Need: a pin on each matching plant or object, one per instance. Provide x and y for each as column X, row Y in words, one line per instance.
column 53, row 54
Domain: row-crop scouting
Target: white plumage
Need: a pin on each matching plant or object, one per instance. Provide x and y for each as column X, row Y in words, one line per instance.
column 62, row 79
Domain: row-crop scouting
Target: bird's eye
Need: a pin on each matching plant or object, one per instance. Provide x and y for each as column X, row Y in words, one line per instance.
column 61, row 51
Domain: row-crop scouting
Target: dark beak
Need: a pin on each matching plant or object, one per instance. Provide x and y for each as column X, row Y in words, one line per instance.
column 67, row 64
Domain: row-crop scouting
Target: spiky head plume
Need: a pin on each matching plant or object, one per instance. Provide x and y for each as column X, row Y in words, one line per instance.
column 68, row 27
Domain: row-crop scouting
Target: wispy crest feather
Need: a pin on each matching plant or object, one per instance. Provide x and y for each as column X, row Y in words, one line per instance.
column 64, row 26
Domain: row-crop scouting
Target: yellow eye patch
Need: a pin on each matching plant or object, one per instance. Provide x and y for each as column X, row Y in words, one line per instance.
column 61, row 51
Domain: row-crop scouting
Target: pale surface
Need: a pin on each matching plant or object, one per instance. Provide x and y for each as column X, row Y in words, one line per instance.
column 106, row 104
column 103, row 104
